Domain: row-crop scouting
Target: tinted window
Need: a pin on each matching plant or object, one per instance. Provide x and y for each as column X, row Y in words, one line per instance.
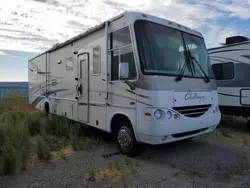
column 97, row 60
column 120, row 38
column 161, row 51
column 224, row 71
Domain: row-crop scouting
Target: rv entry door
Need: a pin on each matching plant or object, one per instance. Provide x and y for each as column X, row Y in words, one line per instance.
column 83, row 87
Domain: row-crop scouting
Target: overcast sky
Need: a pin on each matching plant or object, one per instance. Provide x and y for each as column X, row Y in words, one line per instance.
column 35, row 25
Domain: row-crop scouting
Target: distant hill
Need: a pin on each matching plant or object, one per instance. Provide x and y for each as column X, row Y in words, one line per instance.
column 7, row 88
column 13, row 84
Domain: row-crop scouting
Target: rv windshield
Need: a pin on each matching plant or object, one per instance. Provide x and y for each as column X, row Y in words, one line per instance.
column 162, row 52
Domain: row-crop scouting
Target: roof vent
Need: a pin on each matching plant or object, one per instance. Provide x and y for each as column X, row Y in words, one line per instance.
column 236, row 39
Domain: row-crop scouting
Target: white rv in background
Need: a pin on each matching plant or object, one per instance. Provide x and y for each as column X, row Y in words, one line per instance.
column 231, row 66
column 142, row 78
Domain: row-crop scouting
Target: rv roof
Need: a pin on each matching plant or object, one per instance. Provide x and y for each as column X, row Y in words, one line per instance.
column 229, row 45
column 233, row 41
column 130, row 14
column 81, row 35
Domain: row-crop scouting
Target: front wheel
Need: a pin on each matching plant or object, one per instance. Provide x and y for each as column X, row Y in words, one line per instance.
column 126, row 142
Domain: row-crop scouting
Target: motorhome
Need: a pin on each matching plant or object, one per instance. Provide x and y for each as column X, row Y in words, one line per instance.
column 142, row 78
column 231, row 66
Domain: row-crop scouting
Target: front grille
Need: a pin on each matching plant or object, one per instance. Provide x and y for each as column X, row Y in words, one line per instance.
column 192, row 111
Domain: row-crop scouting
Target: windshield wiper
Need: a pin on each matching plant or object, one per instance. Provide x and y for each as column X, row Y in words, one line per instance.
column 186, row 64
column 179, row 78
column 206, row 78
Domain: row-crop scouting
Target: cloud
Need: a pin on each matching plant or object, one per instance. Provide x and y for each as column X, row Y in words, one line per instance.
column 9, row 54
column 13, row 76
column 217, row 35
column 36, row 25
column 52, row 2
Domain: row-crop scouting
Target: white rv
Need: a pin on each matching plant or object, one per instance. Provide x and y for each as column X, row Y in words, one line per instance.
column 142, row 78
column 231, row 66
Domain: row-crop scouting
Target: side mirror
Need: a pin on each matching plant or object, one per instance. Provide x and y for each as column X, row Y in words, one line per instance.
column 123, row 71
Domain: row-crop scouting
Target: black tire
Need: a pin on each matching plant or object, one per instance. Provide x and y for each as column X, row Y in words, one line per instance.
column 134, row 148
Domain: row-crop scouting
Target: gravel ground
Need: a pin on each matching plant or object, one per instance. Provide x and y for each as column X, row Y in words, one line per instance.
column 196, row 163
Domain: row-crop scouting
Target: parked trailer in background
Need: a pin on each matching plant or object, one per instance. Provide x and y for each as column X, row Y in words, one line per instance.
column 231, row 65
column 131, row 76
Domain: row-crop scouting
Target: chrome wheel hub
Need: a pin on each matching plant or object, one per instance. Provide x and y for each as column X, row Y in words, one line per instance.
column 124, row 138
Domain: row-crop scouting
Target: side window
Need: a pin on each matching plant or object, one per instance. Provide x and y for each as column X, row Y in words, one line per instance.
column 223, row 71
column 69, row 66
column 121, row 38
column 97, row 60
column 121, row 51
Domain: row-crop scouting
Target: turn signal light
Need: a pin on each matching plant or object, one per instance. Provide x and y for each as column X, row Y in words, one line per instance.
column 147, row 114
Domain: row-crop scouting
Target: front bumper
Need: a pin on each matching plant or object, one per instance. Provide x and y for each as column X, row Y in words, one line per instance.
column 170, row 130
column 157, row 140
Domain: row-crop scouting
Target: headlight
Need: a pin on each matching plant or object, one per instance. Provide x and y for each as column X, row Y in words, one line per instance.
column 176, row 116
column 159, row 114
column 169, row 114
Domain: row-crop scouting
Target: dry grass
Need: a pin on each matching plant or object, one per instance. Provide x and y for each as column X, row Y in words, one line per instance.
column 230, row 137
column 231, row 132
column 107, row 174
column 117, row 169
column 64, row 153
column 234, row 122
column 91, row 173
column 17, row 103
column 27, row 139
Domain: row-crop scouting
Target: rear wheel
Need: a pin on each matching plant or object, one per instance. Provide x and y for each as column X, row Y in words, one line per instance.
column 125, row 140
